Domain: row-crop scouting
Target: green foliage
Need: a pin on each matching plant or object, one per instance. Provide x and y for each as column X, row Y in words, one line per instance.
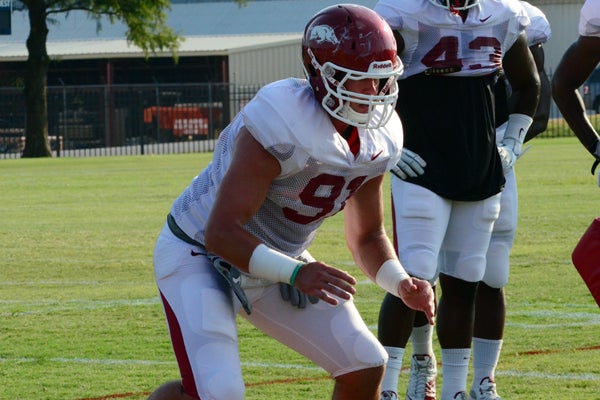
column 146, row 19
column 81, row 317
column 148, row 28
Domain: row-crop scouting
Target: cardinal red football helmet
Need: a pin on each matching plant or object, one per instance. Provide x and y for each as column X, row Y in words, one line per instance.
column 351, row 42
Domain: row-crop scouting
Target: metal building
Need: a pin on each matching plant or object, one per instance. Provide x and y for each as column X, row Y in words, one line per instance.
column 251, row 44
column 256, row 43
column 563, row 16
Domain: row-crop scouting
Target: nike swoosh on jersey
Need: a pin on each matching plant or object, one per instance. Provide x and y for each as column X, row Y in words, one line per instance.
column 484, row 19
column 374, row 156
column 194, row 254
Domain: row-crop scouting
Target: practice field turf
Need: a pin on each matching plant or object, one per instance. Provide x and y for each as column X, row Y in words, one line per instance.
column 80, row 318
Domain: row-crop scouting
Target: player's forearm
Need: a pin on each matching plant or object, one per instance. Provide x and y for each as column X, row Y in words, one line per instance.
column 542, row 113
column 371, row 251
column 571, row 106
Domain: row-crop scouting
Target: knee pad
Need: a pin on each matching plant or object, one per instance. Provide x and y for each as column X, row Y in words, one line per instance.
column 222, row 381
column 224, row 385
column 498, row 261
column 469, row 269
column 361, row 348
column 421, row 262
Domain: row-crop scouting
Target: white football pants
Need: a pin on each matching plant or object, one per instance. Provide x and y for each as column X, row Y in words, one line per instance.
column 201, row 315
column 433, row 234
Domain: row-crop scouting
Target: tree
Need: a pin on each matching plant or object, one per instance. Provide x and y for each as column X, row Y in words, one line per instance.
column 147, row 28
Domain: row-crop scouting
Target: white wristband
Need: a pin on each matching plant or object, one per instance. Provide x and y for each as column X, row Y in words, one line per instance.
column 389, row 276
column 269, row 264
column 516, row 129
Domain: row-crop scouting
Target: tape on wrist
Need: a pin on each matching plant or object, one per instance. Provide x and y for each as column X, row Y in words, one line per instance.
column 516, row 130
column 269, row 264
column 389, row 276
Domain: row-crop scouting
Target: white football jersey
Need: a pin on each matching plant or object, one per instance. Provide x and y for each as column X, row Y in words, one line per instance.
column 319, row 172
column 538, row 32
column 437, row 41
column 589, row 18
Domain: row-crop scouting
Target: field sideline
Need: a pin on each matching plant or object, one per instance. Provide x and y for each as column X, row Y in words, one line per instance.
column 80, row 317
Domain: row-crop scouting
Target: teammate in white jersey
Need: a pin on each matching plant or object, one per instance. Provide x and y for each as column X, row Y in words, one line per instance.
column 446, row 196
column 490, row 306
column 576, row 65
column 299, row 152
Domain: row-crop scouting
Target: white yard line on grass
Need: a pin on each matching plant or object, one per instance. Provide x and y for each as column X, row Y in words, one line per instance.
column 266, row 365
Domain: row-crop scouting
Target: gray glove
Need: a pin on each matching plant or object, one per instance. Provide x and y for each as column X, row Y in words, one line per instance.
column 295, row 296
column 233, row 277
column 410, row 165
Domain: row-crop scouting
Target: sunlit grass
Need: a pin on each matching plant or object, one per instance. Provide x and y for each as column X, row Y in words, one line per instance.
column 81, row 317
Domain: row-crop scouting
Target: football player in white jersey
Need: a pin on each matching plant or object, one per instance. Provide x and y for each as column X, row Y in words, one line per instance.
column 299, row 152
column 446, row 194
column 576, row 65
column 490, row 306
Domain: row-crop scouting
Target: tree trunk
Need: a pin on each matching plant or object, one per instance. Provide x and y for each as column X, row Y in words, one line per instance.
column 36, row 103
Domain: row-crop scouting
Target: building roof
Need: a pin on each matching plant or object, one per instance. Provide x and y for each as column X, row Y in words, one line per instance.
column 120, row 48
column 210, row 28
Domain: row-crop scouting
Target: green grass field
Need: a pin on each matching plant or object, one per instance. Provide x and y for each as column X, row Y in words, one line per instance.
column 80, row 317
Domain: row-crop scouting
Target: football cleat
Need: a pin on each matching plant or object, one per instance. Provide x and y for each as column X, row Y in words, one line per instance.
column 389, row 395
column 423, row 373
column 485, row 391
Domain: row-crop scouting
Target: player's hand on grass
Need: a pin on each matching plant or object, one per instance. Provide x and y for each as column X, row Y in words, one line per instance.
column 323, row 282
column 418, row 295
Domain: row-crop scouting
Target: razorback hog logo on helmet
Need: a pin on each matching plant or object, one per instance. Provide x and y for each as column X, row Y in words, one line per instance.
column 323, row 33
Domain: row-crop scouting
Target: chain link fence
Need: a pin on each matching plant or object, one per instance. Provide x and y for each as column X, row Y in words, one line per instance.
column 126, row 119
column 142, row 119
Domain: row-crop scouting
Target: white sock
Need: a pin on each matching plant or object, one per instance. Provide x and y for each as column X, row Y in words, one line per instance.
column 486, row 354
column 421, row 339
column 455, row 369
column 392, row 369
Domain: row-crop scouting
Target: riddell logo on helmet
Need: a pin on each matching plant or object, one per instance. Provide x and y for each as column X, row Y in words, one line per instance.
column 382, row 65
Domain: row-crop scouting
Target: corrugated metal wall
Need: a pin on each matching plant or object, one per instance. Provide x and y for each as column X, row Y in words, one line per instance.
column 266, row 64
column 564, row 21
